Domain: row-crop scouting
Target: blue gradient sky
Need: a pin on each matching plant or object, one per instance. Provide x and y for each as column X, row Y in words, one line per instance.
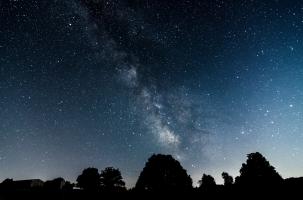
column 108, row 83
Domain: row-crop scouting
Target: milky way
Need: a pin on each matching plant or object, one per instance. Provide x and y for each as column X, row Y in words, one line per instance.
column 108, row 83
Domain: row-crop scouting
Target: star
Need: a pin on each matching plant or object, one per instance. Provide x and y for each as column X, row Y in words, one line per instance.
column 112, row 82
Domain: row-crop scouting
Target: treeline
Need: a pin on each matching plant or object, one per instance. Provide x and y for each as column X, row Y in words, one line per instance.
column 163, row 174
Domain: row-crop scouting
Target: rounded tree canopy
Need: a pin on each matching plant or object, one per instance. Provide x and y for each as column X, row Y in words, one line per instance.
column 111, row 180
column 89, row 179
column 163, row 173
column 258, row 171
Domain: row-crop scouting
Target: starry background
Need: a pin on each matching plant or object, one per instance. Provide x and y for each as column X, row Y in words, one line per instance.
column 107, row 83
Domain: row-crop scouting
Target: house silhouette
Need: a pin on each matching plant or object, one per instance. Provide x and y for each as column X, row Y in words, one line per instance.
column 27, row 184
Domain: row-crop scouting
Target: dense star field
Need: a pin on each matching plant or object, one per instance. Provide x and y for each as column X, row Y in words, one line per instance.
column 110, row 82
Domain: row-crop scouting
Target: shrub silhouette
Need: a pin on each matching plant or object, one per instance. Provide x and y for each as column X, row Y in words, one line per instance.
column 111, row 180
column 258, row 172
column 163, row 173
column 228, row 180
column 293, row 184
column 207, row 182
column 89, row 179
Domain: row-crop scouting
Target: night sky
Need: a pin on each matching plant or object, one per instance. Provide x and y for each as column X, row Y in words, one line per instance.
column 108, row 83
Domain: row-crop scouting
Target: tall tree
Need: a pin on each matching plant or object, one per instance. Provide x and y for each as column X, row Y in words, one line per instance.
column 257, row 171
column 89, row 179
column 163, row 173
column 228, row 179
column 207, row 181
column 111, row 180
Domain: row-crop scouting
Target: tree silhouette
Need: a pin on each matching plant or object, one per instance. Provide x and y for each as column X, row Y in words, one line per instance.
column 228, row 180
column 89, row 179
column 207, row 181
column 163, row 173
column 257, row 171
column 111, row 180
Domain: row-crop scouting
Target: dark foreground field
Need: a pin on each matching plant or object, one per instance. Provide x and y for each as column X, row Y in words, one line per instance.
column 288, row 191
